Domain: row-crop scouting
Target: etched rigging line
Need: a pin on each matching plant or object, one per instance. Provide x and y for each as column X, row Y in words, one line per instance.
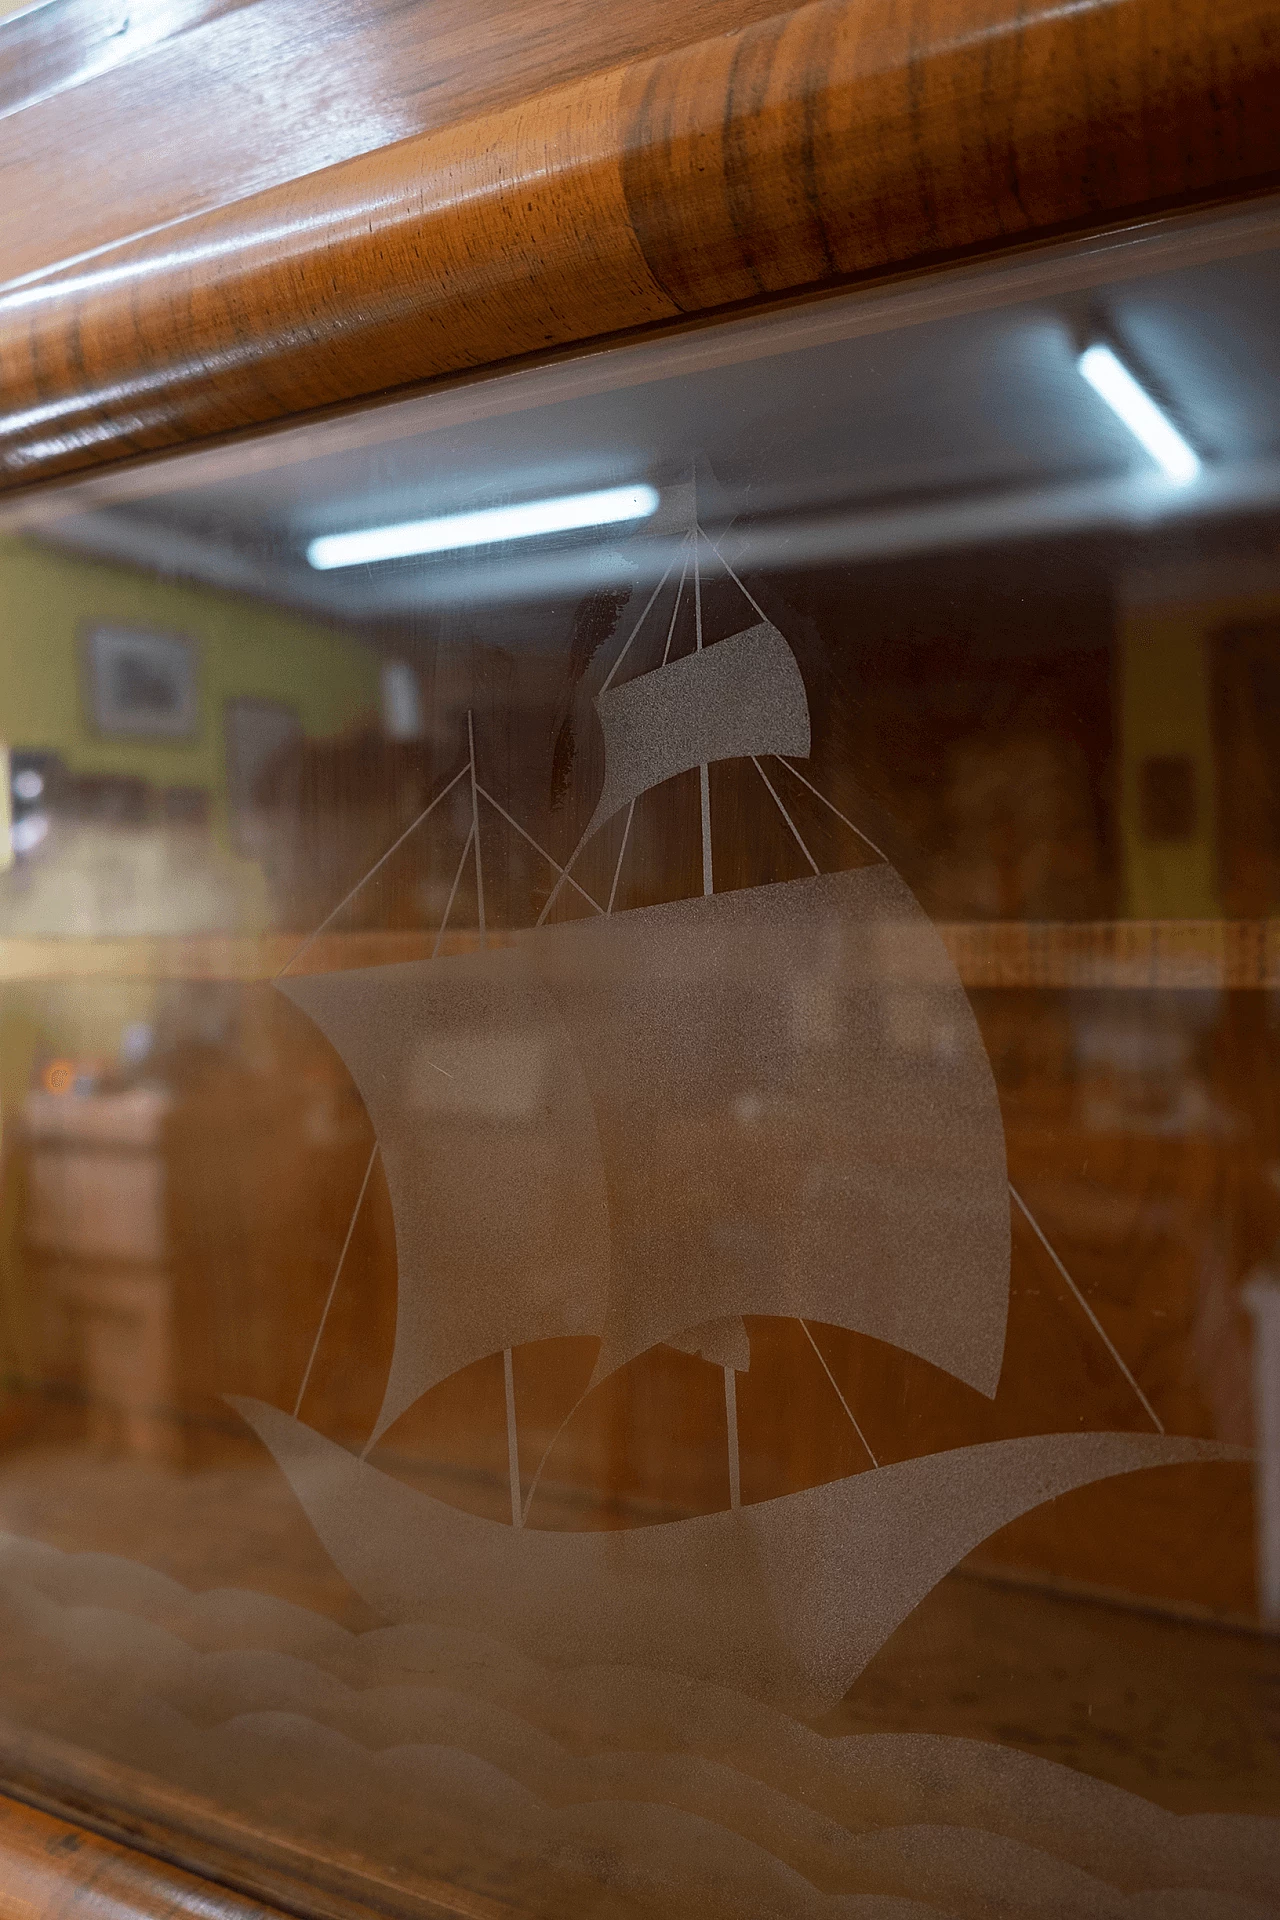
column 731, row 1425
column 537, row 847
column 747, row 595
column 839, row 1396
column 786, row 816
column 565, row 873
column 666, row 655
column 622, row 853
column 546, row 1452
column 818, row 793
column 1097, row 1325
column 448, row 905
column 513, row 1439
column 333, row 1285
column 513, row 1445
column 697, row 591
column 348, row 897
column 704, row 775
column 625, row 648
column 475, row 828
column 675, row 610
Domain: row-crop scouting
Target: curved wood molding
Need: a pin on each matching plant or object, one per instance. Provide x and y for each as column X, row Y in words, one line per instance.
column 49, row 1868
column 847, row 138
column 191, row 104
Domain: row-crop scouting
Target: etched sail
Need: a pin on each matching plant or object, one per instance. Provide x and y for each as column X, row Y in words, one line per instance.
column 774, row 1101
column 739, row 697
column 787, row 1599
column 492, row 1159
column 796, row 1117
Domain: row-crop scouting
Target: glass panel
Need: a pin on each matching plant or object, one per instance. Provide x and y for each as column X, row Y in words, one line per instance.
column 642, row 1170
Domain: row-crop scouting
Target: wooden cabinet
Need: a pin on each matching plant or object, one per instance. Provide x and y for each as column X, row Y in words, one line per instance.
column 629, row 1260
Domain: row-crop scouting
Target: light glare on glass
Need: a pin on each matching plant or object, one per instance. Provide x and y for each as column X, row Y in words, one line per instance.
column 1112, row 381
column 483, row 528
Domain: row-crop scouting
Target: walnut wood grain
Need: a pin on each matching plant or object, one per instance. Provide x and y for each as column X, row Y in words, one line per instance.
column 49, row 1869
column 183, row 105
column 836, row 141
column 126, row 1866
column 66, row 43
column 1138, row 954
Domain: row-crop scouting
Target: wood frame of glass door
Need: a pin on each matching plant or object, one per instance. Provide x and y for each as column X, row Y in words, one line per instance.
column 593, row 191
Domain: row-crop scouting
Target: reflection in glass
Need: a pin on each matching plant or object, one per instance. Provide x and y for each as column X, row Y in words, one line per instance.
column 642, row 1187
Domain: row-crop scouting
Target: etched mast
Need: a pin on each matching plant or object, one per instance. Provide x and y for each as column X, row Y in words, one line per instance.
column 543, row 1112
column 508, row 1364
column 704, row 777
column 708, row 888
column 524, row 1097
column 786, row 1599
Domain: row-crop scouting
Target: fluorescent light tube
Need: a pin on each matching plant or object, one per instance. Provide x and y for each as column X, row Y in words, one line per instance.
column 1112, row 381
column 483, row 529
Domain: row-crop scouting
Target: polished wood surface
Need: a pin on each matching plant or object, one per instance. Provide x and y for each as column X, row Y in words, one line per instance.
column 49, row 49
column 798, row 152
column 185, row 105
column 50, row 1869
column 1106, row 953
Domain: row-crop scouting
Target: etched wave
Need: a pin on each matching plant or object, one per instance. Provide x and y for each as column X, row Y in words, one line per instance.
column 442, row 1752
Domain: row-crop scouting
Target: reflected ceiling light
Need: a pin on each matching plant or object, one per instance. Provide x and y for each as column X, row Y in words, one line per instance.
column 1112, row 381
column 483, row 529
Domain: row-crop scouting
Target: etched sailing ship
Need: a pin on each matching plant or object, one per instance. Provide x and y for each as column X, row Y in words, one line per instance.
column 528, row 1101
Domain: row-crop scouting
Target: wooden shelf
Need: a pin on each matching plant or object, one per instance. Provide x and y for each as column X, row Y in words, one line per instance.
column 1116, row 953
column 1097, row 953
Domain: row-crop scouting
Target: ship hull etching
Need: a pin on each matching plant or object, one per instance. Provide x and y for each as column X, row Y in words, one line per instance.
column 786, row 1600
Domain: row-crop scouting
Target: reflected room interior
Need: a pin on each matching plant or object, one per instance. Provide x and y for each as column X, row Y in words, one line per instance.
column 1042, row 672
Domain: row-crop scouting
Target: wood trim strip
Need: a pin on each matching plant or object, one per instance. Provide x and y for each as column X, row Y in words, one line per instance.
column 1141, row 955
column 49, row 1868
column 168, row 1836
column 844, row 139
